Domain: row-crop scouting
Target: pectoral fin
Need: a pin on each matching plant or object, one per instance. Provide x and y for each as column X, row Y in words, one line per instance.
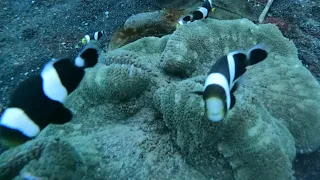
column 200, row 93
column 235, row 87
column 61, row 116
column 233, row 101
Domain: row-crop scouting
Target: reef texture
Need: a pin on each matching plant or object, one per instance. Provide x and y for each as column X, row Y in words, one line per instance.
column 135, row 118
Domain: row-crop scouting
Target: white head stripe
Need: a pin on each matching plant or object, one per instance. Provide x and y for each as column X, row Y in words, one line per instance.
column 15, row 118
column 232, row 67
column 87, row 38
column 204, row 11
column 210, row 1
column 51, row 84
column 79, row 62
column 219, row 79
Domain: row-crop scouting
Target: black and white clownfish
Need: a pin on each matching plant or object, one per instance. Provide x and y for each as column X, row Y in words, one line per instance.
column 222, row 80
column 94, row 36
column 202, row 12
column 38, row 101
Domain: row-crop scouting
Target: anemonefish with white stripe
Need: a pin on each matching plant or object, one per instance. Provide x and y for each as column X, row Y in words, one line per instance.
column 202, row 12
column 222, row 80
column 94, row 36
column 38, row 101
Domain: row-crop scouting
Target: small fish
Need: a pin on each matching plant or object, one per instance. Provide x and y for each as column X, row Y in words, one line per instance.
column 202, row 12
column 94, row 36
column 222, row 80
column 38, row 101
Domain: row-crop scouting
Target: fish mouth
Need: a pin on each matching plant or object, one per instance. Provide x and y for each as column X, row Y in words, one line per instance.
column 215, row 117
column 215, row 109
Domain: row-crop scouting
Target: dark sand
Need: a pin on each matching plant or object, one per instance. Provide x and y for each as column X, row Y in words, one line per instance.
column 32, row 32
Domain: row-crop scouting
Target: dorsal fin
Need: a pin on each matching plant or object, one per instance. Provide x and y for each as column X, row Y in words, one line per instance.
column 257, row 54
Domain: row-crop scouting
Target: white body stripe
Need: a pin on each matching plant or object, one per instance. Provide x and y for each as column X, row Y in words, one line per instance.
column 52, row 86
column 219, row 79
column 230, row 60
column 79, row 62
column 96, row 36
column 204, row 11
column 210, row 1
column 15, row 118
column 232, row 68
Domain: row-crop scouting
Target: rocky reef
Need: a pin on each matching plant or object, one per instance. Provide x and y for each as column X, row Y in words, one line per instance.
column 134, row 115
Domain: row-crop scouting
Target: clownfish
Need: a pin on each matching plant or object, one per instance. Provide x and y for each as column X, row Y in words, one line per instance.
column 202, row 12
column 38, row 101
column 222, row 80
column 94, row 36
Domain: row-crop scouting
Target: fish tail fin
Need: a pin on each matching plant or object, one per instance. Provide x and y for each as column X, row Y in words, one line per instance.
column 208, row 5
column 98, row 35
column 257, row 54
column 88, row 57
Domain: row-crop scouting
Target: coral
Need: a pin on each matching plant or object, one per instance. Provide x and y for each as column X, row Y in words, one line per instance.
column 116, row 87
column 12, row 162
column 114, row 83
column 58, row 160
column 254, row 142
column 187, row 51
column 251, row 139
column 44, row 158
